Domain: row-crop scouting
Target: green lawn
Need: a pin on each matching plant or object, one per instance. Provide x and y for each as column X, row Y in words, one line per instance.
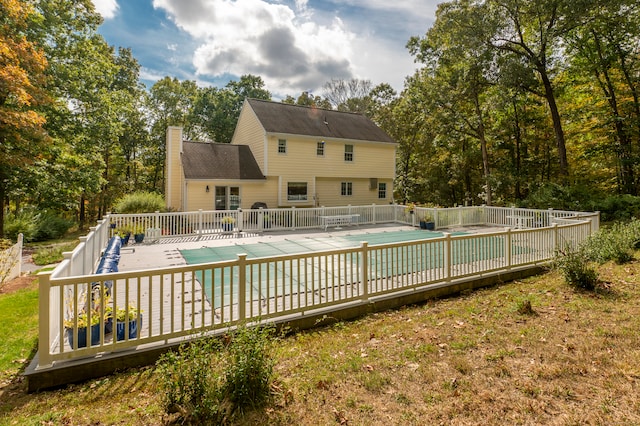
column 18, row 329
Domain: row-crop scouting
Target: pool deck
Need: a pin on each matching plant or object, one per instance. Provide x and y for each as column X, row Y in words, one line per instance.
column 166, row 251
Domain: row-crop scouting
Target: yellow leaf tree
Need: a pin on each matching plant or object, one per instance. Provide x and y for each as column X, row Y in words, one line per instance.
column 22, row 90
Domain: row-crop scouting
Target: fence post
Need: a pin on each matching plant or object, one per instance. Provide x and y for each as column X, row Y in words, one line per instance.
column 293, row 218
column 447, row 256
column 240, row 220
column 242, row 286
column 364, row 274
column 554, row 239
column 459, row 215
column 373, row 213
column 44, row 317
column 200, row 224
column 260, row 219
column 507, row 247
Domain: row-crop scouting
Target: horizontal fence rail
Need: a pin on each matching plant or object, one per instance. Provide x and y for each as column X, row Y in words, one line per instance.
column 83, row 314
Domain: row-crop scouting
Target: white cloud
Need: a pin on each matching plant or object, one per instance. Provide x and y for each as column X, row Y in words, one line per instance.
column 291, row 46
column 106, row 8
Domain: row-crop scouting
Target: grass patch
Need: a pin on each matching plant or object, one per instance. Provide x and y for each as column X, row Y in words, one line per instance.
column 46, row 255
column 18, row 329
column 447, row 361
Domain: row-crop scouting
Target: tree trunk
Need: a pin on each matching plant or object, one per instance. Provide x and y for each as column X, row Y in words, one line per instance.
column 625, row 157
column 557, row 124
column 518, row 160
column 485, row 152
column 82, row 218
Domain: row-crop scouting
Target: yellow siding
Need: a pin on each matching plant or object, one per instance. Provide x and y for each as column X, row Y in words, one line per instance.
column 302, row 164
column 199, row 199
column 250, row 132
column 329, row 192
column 174, row 179
column 370, row 160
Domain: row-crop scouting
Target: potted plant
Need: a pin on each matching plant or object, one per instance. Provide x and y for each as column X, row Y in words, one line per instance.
column 426, row 222
column 127, row 319
column 98, row 326
column 227, row 223
column 410, row 208
column 138, row 233
column 124, row 232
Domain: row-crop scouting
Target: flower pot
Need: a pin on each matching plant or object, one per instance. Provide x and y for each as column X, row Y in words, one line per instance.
column 227, row 227
column 125, row 238
column 82, row 336
column 138, row 238
column 121, row 327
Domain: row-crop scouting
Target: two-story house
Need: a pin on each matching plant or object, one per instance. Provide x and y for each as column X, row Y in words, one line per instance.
column 283, row 155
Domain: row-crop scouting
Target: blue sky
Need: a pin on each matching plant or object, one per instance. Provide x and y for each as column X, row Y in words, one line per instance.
column 294, row 45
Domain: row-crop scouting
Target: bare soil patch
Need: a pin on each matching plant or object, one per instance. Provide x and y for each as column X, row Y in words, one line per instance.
column 16, row 284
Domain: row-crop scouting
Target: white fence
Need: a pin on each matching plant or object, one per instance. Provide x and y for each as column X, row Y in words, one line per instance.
column 11, row 261
column 179, row 301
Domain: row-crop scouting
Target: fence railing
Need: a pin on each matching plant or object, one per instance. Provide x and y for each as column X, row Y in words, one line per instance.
column 175, row 302
column 11, row 261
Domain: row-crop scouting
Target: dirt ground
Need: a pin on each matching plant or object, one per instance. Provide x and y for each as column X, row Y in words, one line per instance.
column 17, row 284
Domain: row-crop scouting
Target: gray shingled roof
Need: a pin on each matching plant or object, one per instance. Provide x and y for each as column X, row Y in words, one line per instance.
column 219, row 161
column 277, row 117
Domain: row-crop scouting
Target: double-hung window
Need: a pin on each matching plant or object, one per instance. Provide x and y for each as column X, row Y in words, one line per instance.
column 346, row 188
column 348, row 153
column 320, row 149
column 282, row 146
column 382, row 190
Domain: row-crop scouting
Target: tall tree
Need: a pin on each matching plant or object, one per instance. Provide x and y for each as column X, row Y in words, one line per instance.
column 348, row 95
column 460, row 63
column 604, row 50
column 22, row 80
column 216, row 111
column 533, row 31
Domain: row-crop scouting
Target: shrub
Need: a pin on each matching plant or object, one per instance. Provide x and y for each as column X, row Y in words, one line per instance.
column 189, row 382
column 618, row 207
column 205, row 382
column 140, row 202
column 51, row 226
column 575, row 267
column 250, row 368
column 23, row 222
column 561, row 197
column 35, row 225
column 615, row 242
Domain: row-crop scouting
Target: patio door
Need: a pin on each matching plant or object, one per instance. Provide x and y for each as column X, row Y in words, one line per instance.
column 227, row 197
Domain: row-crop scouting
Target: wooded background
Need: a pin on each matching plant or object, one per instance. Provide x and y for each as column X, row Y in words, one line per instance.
column 527, row 102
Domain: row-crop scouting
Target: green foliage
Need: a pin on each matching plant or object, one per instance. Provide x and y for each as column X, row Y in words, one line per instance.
column 140, row 202
column 206, row 381
column 190, row 382
column 575, row 266
column 615, row 242
column 618, row 207
column 35, row 225
column 552, row 195
column 49, row 255
column 249, row 370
